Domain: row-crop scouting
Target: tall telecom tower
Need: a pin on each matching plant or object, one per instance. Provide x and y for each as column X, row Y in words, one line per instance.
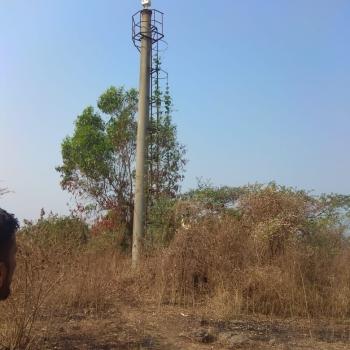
column 147, row 31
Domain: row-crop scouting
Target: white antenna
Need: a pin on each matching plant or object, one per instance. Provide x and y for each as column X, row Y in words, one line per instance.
column 146, row 3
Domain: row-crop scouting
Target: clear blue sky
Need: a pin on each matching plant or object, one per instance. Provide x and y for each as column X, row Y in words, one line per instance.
column 261, row 88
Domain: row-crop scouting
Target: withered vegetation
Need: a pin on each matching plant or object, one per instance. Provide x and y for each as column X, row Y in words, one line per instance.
column 258, row 251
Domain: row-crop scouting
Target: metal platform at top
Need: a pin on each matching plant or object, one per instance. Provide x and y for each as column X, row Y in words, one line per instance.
column 157, row 30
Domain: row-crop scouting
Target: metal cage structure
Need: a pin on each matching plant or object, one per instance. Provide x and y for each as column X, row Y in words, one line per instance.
column 157, row 29
column 158, row 80
column 157, row 75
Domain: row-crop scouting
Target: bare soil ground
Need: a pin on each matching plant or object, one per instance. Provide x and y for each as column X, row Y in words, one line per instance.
column 172, row 328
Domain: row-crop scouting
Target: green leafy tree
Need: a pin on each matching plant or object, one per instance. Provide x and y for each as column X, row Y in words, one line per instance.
column 99, row 158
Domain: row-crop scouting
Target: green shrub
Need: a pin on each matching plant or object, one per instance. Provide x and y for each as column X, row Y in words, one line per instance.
column 66, row 232
column 162, row 223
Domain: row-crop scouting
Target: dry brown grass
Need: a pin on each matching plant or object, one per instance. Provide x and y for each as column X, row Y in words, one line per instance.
column 256, row 263
column 31, row 289
column 261, row 262
column 57, row 282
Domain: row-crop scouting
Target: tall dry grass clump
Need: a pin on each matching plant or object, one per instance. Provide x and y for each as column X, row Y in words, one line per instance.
column 280, row 252
column 64, row 273
column 60, row 274
column 31, row 290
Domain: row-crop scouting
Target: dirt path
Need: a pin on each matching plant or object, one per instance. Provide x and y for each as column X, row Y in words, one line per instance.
column 173, row 328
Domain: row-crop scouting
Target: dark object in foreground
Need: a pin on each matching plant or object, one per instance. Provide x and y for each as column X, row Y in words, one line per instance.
column 8, row 227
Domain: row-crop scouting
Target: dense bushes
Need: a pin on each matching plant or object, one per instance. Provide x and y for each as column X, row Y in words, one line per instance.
column 57, row 232
column 284, row 252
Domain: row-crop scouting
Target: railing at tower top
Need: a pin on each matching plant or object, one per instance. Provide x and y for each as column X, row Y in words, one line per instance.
column 157, row 33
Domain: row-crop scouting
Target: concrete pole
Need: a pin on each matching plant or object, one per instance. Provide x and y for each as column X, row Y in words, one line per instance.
column 141, row 142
